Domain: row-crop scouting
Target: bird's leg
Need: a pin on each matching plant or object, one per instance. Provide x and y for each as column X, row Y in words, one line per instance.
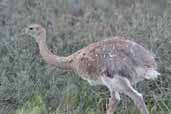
column 134, row 95
column 113, row 101
column 115, row 98
column 138, row 101
column 112, row 105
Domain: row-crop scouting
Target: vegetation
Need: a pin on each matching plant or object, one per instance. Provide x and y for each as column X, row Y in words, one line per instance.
column 30, row 86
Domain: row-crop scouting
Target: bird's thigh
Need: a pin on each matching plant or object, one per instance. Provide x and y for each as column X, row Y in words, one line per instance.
column 114, row 84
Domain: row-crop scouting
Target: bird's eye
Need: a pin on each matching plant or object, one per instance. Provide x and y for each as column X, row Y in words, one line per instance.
column 31, row 28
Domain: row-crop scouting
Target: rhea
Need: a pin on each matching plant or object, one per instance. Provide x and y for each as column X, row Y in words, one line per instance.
column 116, row 63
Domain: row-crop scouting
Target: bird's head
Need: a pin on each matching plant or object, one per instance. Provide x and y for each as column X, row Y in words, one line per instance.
column 36, row 31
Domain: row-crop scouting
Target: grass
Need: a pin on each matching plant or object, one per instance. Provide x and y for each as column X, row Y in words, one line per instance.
column 34, row 87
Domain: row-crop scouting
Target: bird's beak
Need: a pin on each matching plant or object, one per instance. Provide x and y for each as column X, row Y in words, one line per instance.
column 25, row 31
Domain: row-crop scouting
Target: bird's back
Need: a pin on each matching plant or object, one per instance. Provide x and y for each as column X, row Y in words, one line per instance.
column 113, row 56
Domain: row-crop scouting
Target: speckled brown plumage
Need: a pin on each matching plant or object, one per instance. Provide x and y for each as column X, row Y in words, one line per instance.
column 110, row 57
column 115, row 63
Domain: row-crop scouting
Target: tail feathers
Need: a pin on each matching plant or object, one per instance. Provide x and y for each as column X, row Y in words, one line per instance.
column 152, row 74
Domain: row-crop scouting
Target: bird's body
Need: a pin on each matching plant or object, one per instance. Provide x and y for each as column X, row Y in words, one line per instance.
column 112, row 57
column 115, row 62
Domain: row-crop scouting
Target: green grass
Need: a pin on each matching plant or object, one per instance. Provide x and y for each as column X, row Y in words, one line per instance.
column 35, row 105
column 34, row 87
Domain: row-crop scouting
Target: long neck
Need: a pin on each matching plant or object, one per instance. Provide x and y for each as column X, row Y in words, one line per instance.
column 49, row 57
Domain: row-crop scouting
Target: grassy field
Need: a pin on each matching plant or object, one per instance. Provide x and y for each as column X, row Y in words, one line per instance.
column 29, row 86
